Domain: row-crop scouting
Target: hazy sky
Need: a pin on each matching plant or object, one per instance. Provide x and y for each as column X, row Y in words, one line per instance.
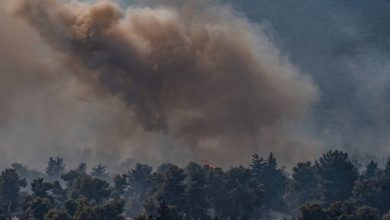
column 168, row 80
column 344, row 46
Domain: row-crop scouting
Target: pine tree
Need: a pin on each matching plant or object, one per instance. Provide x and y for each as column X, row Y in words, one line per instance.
column 338, row 175
column 10, row 185
column 304, row 182
column 371, row 169
column 55, row 168
column 82, row 168
column 100, row 172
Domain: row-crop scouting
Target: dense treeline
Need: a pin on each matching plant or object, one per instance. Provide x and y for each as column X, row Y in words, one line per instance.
column 330, row 188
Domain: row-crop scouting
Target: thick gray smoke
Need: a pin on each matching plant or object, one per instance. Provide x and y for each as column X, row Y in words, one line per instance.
column 183, row 82
column 43, row 109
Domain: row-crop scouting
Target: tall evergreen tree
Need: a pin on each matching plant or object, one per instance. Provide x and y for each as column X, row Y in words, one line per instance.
column 120, row 185
column 372, row 170
column 140, row 182
column 92, row 188
column 24, row 172
column 374, row 192
column 387, row 167
column 40, row 188
column 305, row 183
column 244, row 194
column 82, row 168
column 338, row 175
column 196, row 204
column 55, row 214
column 100, row 172
column 272, row 179
column 10, row 185
column 55, row 168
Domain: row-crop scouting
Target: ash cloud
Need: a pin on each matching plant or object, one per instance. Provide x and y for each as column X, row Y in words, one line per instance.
column 191, row 81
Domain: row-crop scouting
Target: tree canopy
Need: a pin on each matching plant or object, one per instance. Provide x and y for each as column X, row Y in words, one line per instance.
column 328, row 188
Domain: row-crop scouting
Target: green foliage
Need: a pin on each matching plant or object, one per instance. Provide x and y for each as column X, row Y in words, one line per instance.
column 82, row 168
column 312, row 212
column 366, row 213
column 41, row 188
column 305, row 183
column 331, row 188
column 244, row 194
column 70, row 176
column 71, row 206
column 87, row 213
column 372, row 170
column 196, row 203
column 139, row 184
column 387, row 168
column 169, row 188
column 55, row 214
column 272, row 179
column 373, row 192
column 99, row 172
column 141, row 217
column 120, row 185
column 37, row 207
column 167, row 213
column 10, row 184
column 338, row 175
column 25, row 172
column 112, row 210
column 93, row 189
column 55, row 168
column 338, row 211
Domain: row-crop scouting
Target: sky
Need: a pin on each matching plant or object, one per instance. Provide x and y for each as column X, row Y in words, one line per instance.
column 344, row 46
column 174, row 81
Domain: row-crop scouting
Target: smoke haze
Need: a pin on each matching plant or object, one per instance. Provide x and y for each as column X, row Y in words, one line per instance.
column 140, row 79
column 344, row 46
column 157, row 83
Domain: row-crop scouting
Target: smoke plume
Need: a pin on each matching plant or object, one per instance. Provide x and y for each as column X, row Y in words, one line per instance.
column 193, row 80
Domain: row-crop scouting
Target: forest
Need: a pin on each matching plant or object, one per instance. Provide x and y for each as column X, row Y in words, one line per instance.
column 88, row 83
column 331, row 187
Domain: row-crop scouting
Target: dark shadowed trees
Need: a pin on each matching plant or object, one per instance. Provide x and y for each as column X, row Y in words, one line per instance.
column 338, row 211
column 10, row 185
column 197, row 192
column 244, row 196
column 55, row 214
column 37, row 207
column 338, row 176
column 170, row 188
column 120, row 186
column 196, row 204
column 93, row 189
column 387, row 168
column 112, row 210
column 139, row 185
column 100, row 172
column 24, row 172
column 272, row 179
column 40, row 188
column 55, row 168
column 312, row 212
column 374, row 192
column 372, row 170
column 82, row 168
column 305, row 182
column 216, row 189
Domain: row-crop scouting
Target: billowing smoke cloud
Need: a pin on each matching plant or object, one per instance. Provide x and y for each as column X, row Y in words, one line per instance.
column 43, row 109
column 194, row 80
